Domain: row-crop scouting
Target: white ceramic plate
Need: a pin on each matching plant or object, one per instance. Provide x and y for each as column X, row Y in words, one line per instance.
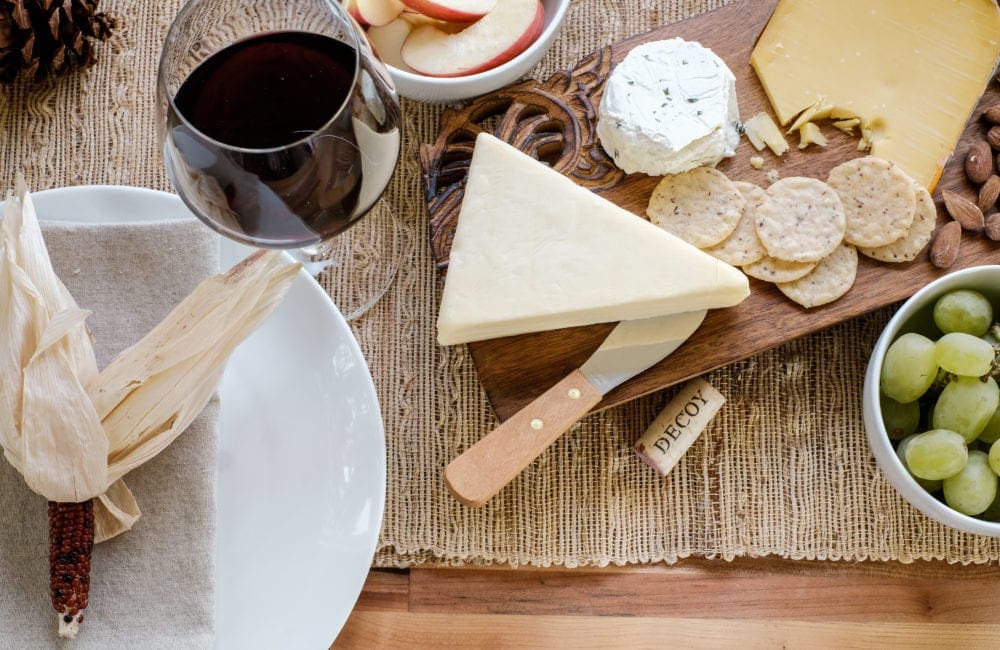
column 298, row 524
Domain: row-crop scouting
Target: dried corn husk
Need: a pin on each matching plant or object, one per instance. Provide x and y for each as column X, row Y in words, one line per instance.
column 49, row 429
column 72, row 432
column 152, row 391
column 115, row 511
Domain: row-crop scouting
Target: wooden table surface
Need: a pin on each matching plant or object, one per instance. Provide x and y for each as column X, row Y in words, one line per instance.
column 747, row 603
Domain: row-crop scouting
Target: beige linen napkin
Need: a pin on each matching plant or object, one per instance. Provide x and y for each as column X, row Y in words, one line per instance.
column 153, row 586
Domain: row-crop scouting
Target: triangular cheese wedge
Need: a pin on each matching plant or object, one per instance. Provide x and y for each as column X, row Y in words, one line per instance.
column 535, row 251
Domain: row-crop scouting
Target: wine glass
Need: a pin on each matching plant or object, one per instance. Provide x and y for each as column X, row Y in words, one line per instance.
column 280, row 127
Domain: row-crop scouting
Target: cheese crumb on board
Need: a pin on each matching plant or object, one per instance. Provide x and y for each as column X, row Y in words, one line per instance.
column 911, row 72
column 763, row 132
column 847, row 126
column 756, row 162
column 809, row 133
column 818, row 111
column 670, row 106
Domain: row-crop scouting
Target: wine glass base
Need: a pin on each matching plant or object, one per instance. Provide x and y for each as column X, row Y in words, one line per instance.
column 357, row 268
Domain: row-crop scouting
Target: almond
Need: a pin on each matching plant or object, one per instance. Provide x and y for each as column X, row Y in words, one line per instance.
column 944, row 250
column 964, row 211
column 993, row 137
column 979, row 162
column 993, row 226
column 992, row 114
column 989, row 193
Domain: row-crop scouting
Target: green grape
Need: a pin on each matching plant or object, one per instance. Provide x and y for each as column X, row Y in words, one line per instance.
column 963, row 311
column 966, row 406
column 909, row 368
column 994, row 458
column 900, row 419
column 993, row 512
column 973, row 489
column 936, row 454
column 964, row 354
column 991, row 433
column 930, row 486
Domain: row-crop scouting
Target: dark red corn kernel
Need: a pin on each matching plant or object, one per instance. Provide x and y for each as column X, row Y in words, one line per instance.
column 71, row 540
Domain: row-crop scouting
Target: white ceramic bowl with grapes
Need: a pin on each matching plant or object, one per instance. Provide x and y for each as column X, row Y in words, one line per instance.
column 940, row 420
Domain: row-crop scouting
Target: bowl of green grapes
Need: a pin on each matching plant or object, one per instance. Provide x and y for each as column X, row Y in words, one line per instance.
column 932, row 403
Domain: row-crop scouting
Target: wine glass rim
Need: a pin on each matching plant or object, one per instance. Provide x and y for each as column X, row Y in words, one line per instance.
column 333, row 5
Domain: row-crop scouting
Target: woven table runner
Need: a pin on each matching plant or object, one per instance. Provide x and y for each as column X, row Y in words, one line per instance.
column 783, row 470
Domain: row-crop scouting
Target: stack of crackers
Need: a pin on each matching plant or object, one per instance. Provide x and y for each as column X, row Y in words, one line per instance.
column 800, row 233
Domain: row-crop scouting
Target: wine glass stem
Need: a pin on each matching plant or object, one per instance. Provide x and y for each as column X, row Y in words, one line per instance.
column 316, row 258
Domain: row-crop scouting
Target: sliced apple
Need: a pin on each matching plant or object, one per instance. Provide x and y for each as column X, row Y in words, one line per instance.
column 352, row 8
column 419, row 20
column 496, row 38
column 387, row 41
column 457, row 11
column 374, row 12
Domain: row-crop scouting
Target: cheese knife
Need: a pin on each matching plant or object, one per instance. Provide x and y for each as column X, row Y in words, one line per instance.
column 631, row 348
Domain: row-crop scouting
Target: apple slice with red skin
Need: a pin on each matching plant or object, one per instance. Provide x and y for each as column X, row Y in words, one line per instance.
column 496, row 38
column 456, row 11
column 374, row 12
column 419, row 20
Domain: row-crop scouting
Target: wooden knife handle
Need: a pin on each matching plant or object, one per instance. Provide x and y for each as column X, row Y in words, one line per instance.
column 493, row 462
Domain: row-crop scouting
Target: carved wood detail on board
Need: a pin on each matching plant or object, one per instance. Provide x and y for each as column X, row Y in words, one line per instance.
column 554, row 121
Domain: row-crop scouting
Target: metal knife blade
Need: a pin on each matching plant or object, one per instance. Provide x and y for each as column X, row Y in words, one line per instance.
column 633, row 346
column 637, row 345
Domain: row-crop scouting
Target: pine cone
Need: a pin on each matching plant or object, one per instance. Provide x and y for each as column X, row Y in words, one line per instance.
column 44, row 38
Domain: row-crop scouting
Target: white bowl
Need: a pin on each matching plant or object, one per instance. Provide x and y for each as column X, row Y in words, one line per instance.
column 451, row 89
column 916, row 316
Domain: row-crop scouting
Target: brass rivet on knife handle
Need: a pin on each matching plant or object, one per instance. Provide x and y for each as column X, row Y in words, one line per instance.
column 493, row 462
column 679, row 424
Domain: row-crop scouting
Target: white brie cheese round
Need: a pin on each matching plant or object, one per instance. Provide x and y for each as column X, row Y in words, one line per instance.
column 668, row 107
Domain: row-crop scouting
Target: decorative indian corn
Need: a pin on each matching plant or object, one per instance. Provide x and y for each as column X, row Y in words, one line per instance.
column 71, row 542
column 72, row 432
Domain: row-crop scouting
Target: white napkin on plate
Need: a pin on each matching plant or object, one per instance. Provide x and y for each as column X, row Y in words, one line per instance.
column 153, row 586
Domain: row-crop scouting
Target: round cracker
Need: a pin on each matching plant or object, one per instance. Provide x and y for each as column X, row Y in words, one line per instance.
column 831, row 279
column 878, row 199
column 803, row 220
column 701, row 206
column 771, row 269
column 917, row 236
column 743, row 246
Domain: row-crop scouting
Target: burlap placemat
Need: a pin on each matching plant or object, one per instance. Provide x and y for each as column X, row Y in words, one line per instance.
column 784, row 469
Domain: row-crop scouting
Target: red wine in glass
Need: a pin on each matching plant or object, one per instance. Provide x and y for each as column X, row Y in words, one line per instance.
column 282, row 139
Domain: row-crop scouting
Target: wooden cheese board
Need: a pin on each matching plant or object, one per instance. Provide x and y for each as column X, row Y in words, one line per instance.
column 555, row 121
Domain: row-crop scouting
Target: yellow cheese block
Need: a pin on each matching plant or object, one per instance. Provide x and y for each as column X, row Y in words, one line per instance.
column 912, row 70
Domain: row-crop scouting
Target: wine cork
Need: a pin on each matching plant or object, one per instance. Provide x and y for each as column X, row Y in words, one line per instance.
column 679, row 424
